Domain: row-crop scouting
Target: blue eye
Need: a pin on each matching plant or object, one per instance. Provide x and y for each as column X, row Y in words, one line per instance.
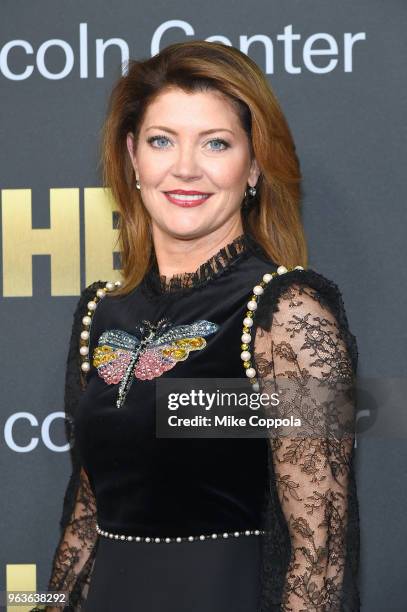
column 222, row 142
column 155, row 138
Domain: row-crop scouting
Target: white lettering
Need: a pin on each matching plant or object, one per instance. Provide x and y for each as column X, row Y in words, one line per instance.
column 79, row 51
column 309, row 52
column 245, row 43
column 168, row 25
column 45, row 432
column 102, row 45
column 5, row 70
column 288, row 37
column 69, row 59
column 349, row 40
column 83, row 50
column 8, row 432
column 33, row 441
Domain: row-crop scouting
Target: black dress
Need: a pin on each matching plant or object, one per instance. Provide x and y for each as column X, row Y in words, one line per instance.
column 239, row 523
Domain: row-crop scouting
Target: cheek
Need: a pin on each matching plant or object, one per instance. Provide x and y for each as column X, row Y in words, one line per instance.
column 229, row 172
column 152, row 166
column 229, row 176
column 151, row 172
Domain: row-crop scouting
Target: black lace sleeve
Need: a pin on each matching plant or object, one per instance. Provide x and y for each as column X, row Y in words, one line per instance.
column 75, row 552
column 304, row 351
column 74, row 555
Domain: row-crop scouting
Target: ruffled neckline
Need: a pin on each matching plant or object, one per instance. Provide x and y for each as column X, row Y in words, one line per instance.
column 222, row 262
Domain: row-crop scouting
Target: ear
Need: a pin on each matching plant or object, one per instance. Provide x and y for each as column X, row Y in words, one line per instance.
column 130, row 148
column 254, row 173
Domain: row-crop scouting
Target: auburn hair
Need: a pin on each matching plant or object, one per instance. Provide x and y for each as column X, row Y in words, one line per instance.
column 273, row 217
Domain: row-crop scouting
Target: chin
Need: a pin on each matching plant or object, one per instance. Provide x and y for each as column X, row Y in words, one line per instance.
column 187, row 233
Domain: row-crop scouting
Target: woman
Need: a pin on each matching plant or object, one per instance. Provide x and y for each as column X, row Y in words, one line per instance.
column 201, row 162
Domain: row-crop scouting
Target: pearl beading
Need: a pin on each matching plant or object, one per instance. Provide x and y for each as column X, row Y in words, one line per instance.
column 178, row 539
column 87, row 322
column 248, row 321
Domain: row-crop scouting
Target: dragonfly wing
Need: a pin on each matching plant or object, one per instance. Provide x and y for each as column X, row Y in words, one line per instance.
column 113, row 354
column 156, row 360
column 199, row 328
column 116, row 338
column 152, row 363
column 111, row 363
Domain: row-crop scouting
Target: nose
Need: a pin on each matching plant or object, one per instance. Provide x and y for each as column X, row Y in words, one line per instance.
column 186, row 165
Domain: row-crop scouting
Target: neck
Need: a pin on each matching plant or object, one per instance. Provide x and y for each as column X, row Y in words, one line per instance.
column 178, row 255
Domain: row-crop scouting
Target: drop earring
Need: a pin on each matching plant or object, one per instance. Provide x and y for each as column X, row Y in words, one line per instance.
column 138, row 184
column 252, row 192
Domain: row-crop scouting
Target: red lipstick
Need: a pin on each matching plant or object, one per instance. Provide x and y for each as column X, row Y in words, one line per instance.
column 186, row 198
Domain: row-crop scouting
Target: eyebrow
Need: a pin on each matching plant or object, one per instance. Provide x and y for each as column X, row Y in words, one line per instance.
column 166, row 129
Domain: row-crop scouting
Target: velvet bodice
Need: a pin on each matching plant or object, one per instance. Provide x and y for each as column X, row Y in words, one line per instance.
column 154, row 486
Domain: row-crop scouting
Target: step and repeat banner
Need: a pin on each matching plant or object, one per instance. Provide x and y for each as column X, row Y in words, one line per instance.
column 338, row 70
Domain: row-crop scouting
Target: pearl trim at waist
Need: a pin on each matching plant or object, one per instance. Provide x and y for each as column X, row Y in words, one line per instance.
column 191, row 538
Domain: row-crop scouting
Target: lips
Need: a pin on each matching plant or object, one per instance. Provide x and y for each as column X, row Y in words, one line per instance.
column 184, row 192
column 184, row 198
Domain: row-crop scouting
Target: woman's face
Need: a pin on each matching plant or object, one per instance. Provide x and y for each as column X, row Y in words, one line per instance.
column 175, row 151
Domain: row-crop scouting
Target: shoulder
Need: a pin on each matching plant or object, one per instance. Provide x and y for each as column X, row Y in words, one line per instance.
column 292, row 288
column 85, row 309
column 93, row 292
column 91, row 296
column 305, row 297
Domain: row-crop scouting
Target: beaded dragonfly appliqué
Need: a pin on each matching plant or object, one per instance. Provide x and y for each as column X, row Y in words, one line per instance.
column 153, row 350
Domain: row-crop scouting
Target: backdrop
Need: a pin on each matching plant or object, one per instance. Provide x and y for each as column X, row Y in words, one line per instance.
column 338, row 70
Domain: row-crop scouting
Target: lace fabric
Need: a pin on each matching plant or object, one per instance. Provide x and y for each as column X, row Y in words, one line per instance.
column 303, row 349
column 74, row 556
column 155, row 284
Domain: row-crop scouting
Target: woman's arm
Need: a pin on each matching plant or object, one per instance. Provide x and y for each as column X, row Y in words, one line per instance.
column 305, row 356
column 74, row 555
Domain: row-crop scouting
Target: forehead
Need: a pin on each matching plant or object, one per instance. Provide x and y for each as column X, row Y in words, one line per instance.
column 176, row 108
